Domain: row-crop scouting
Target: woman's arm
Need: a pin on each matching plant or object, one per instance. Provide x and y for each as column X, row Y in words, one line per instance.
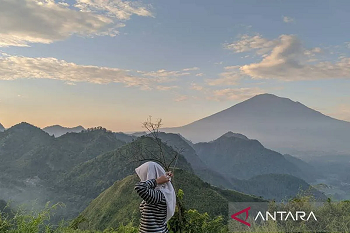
column 145, row 189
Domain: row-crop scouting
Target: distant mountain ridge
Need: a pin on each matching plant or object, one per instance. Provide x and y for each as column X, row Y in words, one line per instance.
column 279, row 123
column 219, row 172
column 58, row 130
column 236, row 156
column 2, row 128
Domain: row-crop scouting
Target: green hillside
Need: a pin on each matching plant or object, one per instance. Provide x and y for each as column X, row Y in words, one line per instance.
column 27, row 151
column 19, row 142
column 94, row 176
column 119, row 203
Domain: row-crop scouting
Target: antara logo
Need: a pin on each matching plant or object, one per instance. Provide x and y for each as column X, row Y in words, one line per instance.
column 275, row 216
column 246, row 211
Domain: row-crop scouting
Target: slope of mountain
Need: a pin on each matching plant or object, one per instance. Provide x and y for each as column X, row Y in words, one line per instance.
column 57, row 130
column 310, row 173
column 236, row 156
column 180, row 145
column 21, row 140
column 279, row 123
column 287, row 186
column 119, row 203
column 279, row 187
column 72, row 149
column 31, row 162
column 2, row 128
column 27, row 151
column 138, row 134
column 94, row 176
column 125, row 137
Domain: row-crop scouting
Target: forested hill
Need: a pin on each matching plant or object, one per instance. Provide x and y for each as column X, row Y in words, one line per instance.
column 96, row 175
column 119, row 203
column 26, row 150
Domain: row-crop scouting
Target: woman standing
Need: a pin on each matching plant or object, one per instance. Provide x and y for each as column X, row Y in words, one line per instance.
column 159, row 199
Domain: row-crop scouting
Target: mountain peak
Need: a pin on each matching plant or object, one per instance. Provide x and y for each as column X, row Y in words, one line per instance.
column 25, row 125
column 2, row 128
column 58, row 130
column 27, row 130
column 278, row 123
column 230, row 134
column 267, row 95
column 272, row 106
column 267, row 98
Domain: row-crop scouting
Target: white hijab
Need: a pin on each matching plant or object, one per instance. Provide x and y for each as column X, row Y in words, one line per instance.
column 152, row 170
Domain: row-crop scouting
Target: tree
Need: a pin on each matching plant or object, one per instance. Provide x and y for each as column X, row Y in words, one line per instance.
column 161, row 153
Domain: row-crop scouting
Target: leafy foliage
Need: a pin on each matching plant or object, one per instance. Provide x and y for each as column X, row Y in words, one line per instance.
column 192, row 221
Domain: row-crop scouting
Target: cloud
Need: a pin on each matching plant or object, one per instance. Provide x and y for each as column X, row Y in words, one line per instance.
column 248, row 43
column 181, row 98
column 196, row 87
column 347, row 44
column 163, row 73
column 199, row 75
column 191, row 69
column 166, row 88
column 19, row 67
column 234, row 93
column 289, row 61
column 229, row 77
column 23, row 22
column 115, row 8
column 287, row 19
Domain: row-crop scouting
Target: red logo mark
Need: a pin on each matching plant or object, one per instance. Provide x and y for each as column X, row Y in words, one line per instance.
column 240, row 220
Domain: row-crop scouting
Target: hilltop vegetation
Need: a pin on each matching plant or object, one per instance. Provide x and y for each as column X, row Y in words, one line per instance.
column 119, row 203
column 27, row 151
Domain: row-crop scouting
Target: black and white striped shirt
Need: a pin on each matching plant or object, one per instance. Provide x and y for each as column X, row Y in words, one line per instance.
column 153, row 207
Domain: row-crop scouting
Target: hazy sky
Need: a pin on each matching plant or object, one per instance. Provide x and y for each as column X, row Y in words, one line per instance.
column 114, row 63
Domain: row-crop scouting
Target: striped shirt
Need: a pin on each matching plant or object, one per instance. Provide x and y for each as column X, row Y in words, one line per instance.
column 153, row 207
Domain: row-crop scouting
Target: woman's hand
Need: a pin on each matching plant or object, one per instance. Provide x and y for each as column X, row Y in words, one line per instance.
column 165, row 178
